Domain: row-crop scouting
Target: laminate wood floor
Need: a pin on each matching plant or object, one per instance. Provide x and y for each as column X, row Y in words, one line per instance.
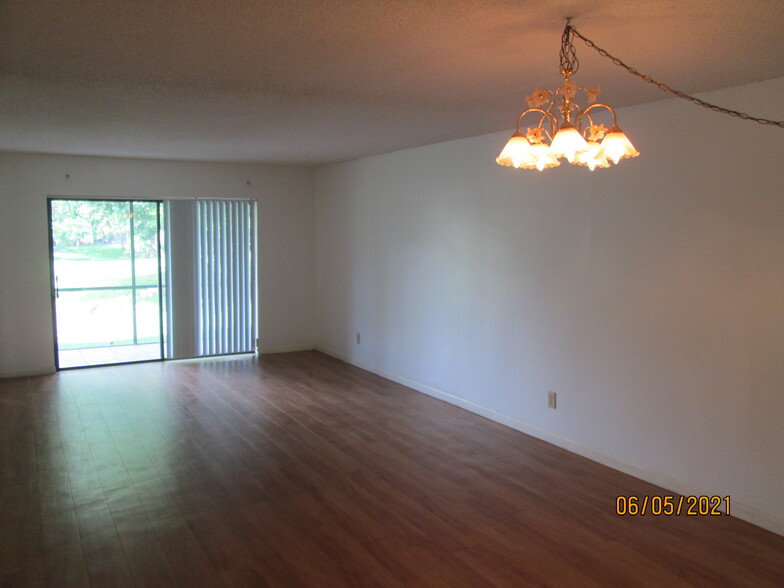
column 300, row 470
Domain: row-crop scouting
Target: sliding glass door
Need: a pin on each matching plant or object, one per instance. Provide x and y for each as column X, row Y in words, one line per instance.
column 107, row 270
column 110, row 300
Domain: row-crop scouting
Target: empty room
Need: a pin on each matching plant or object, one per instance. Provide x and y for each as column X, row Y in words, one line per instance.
column 392, row 293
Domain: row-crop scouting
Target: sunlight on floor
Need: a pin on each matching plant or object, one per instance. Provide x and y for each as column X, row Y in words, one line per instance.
column 106, row 355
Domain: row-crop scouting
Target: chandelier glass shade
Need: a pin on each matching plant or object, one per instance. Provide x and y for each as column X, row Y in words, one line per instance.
column 565, row 130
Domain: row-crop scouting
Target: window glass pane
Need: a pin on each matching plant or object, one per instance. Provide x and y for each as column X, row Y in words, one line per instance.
column 91, row 243
column 97, row 318
column 145, row 238
column 147, row 317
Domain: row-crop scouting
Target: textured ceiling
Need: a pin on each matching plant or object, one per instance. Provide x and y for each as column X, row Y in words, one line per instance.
column 319, row 81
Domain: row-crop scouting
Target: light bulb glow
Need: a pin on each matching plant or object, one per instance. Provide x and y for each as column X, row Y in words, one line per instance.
column 542, row 157
column 616, row 146
column 591, row 158
column 568, row 142
column 516, row 153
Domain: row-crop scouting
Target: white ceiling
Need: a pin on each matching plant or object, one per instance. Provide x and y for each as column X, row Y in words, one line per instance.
column 318, row 81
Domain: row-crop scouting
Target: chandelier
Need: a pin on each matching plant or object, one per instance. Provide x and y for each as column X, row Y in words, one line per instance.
column 566, row 130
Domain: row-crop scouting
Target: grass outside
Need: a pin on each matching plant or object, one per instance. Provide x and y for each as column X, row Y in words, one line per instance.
column 87, row 266
column 101, row 318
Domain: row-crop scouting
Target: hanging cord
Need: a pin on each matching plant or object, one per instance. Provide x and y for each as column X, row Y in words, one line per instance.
column 666, row 88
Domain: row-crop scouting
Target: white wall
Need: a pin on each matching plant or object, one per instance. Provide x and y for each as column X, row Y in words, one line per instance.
column 285, row 214
column 649, row 296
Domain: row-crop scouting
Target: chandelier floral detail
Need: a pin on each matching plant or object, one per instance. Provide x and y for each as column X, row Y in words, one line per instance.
column 566, row 130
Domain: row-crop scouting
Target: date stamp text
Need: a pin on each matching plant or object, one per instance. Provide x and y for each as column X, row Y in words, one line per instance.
column 671, row 505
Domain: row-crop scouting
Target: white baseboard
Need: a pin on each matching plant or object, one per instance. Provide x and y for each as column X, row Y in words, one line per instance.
column 739, row 510
column 287, row 348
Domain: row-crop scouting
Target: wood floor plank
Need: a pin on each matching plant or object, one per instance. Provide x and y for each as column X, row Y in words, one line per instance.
column 190, row 565
column 64, row 565
column 300, row 470
column 27, row 578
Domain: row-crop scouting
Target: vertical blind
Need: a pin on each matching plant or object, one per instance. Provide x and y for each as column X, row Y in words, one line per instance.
column 225, row 277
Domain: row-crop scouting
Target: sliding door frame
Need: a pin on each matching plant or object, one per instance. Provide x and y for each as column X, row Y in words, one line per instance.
column 55, row 288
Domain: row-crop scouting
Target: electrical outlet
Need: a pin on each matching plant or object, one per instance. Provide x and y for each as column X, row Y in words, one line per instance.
column 357, row 338
column 551, row 399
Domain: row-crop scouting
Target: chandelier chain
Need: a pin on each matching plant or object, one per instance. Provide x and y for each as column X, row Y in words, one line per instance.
column 568, row 55
column 566, row 41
